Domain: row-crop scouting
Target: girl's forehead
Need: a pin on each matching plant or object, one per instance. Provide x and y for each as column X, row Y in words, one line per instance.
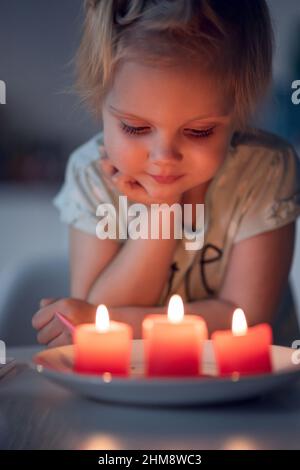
column 176, row 74
column 137, row 87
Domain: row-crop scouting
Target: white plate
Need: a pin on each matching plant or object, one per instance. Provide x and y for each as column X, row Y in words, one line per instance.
column 56, row 364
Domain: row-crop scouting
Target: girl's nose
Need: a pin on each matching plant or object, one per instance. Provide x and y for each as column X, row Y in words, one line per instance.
column 165, row 157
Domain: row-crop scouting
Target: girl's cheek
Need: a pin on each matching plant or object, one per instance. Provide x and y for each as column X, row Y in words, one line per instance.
column 124, row 159
column 207, row 163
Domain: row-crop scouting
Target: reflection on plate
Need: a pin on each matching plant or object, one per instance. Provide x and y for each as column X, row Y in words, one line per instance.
column 57, row 365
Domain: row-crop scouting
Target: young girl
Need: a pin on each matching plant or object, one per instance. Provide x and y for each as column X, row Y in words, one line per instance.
column 175, row 84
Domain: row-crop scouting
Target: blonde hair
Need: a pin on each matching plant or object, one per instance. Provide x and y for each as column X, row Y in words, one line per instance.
column 233, row 39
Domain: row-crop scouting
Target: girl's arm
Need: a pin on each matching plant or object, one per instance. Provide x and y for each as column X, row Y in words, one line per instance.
column 133, row 274
column 258, row 272
column 88, row 258
column 256, row 276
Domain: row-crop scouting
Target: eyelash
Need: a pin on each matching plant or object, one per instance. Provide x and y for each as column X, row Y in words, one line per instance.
column 140, row 131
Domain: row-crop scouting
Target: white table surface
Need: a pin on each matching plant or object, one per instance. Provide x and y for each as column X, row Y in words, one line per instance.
column 37, row 414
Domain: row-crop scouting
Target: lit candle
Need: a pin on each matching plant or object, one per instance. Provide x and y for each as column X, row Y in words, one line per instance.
column 243, row 350
column 173, row 342
column 103, row 347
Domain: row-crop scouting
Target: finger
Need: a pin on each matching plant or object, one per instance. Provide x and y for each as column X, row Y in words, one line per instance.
column 109, row 182
column 47, row 301
column 132, row 188
column 50, row 331
column 107, row 167
column 102, row 151
column 62, row 340
column 44, row 315
column 123, row 183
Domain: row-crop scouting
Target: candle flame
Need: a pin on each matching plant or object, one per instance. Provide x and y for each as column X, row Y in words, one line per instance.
column 239, row 323
column 102, row 318
column 175, row 309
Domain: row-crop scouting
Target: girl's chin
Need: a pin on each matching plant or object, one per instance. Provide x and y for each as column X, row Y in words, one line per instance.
column 163, row 197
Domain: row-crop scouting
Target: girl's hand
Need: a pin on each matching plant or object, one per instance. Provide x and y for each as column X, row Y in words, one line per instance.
column 127, row 185
column 53, row 333
column 50, row 330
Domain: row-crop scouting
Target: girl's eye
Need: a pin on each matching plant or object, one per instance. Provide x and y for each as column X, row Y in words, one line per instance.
column 191, row 132
column 200, row 133
column 133, row 130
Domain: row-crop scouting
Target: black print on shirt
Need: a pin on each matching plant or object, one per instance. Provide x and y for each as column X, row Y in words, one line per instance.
column 173, row 269
column 204, row 261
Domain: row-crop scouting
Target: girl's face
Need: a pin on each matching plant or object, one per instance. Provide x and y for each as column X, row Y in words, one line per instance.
column 167, row 122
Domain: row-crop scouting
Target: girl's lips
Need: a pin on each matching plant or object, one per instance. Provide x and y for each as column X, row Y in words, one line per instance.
column 165, row 179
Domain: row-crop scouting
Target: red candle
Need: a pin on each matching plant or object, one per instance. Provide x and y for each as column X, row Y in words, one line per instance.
column 103, row 347
column 243, row 350
column 173, row 343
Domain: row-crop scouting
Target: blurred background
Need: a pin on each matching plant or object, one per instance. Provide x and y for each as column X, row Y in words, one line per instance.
column 43, row 121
